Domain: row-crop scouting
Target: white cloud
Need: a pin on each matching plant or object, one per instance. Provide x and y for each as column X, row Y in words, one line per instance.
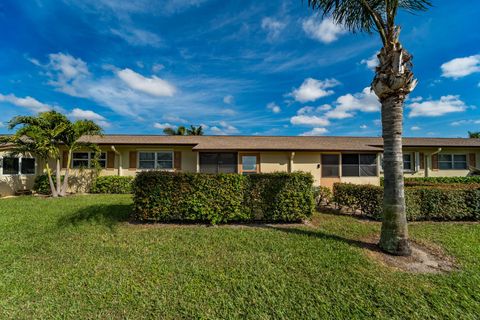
column 324, row 30
column 461, row 67
column 315, row 132
column 309, row 120
column 415, row 128
column 79, row 114
column 138, row 37
column 157, row 67
column 173, row 118
column 363, row 126
column 346, row 105
column 274, row 107
column 371, row 62
column 66, row 72
column 435, row 108
column 324, row 107
column 153, row 86
column 229, row 99
column 312, row 89
column 28, row 102
column 273, row 28
column 162, row 126
column 223, row 129
column 464, row 122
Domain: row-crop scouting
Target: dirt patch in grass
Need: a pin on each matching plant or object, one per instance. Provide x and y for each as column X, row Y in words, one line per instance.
column 425, row 258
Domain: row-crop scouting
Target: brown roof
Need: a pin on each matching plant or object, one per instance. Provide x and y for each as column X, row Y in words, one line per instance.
column 285, row 143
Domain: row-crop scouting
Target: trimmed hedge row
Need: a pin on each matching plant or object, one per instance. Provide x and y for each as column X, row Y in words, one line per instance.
column 439, row 180
column 422, row 203
column 220, row 198
column 112, row 184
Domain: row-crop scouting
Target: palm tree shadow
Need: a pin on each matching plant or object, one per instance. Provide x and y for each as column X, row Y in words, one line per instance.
column 371, row 246
column 106, row 215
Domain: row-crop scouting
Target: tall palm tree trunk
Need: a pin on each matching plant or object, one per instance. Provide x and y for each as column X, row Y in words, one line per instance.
column 394, row 234
column 59, row 178
column 392, row 83
column 63, row 192
column 50, row 179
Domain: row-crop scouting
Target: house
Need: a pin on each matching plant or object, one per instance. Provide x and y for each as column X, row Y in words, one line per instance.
column 329, row 159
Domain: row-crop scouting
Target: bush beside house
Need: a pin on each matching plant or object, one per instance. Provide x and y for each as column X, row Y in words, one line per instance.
column 112, row 184
column 445, row 202
column 220, row 198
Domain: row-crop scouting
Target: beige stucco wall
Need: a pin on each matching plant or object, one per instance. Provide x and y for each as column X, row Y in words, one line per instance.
column 274, row 161
column 308, row 162
column 9, row 184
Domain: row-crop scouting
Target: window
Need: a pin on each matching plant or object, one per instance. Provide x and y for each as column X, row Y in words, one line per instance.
column 14, row 166
column 250, row 163
column 407, row 162
column 161, row 160
column 330, row 165
column 28, row 166
column 85, row 160
column 452, row 161
column 359, row 165
column 218, row 162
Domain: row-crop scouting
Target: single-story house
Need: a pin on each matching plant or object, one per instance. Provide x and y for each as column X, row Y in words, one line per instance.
column 328, row 159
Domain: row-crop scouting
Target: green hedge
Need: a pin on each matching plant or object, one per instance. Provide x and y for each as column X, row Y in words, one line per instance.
column 220, row 198
column 439, row 180
column 112, row 184
column 445, row 203
column 323, row 196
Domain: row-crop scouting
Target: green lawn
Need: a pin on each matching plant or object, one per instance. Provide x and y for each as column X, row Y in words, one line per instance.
column 78, row 258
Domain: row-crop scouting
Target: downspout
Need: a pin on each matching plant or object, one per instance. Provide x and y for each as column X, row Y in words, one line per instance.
column 426, row 164
column 119, row 159
column 290, row 163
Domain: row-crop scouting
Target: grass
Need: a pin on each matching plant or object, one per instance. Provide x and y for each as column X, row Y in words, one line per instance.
column 77, row 257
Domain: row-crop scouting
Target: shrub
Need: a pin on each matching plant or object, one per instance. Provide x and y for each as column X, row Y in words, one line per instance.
column 439, row 180
column 322, row 195
column 446, row 203
column 166, row 196
column 41, row 184
column 112, row 184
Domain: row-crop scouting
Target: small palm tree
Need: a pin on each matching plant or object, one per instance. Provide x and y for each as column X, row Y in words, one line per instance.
column 474, row 135
column 195, row 131
column 393, row 81
column 70, row 138
column 40, row 135
column 180, row 131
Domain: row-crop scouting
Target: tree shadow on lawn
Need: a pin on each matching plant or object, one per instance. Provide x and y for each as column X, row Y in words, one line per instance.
column 106, row 215
column 368, row 245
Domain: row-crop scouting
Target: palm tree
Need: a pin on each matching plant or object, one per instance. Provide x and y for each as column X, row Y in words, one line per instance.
column 70, row 138
column 40, row 135
column 473, row 134
column 393, row 81
column 195, row 131
column 180, row 131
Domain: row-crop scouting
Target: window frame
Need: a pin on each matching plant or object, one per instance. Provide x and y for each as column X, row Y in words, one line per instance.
column 359, row 165
column 19, row 167
column 91, row 156
column 257, row 163
column 452, row 161
column 412, row 161
column 155, row 160
column 235, row 166
column 338, row 165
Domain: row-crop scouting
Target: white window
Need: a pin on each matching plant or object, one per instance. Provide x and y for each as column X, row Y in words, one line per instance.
column 85, row 160
column 452, row 161
column 161, row 160
column 408, row 162
column 17, row 165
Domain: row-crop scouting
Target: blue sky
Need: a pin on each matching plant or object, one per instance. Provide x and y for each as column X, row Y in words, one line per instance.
column 235, row 67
